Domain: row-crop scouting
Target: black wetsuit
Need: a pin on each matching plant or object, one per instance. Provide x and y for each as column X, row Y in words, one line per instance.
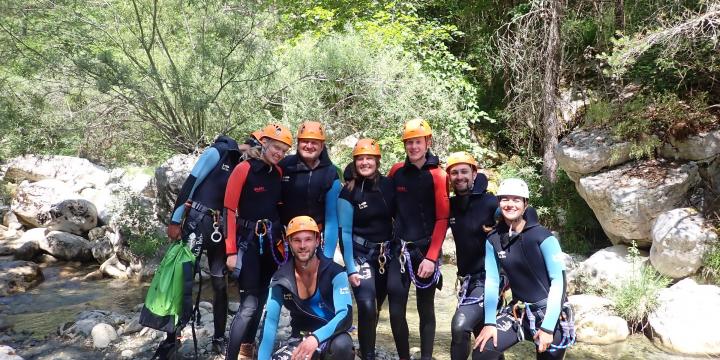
column 365, row 215
column 311, row 192
column 205, row 189
column 326, row 314
column 421, row 221
column 251, row 202
column 533, row 263
column 468, row 214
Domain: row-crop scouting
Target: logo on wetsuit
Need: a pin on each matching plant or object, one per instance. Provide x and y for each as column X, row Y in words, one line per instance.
column 344, row 290
column 362, row 205
column 501, row 254
column 401, row 189
column 285, row 178
column 258, row 189
column 451, row 221
column 225, row 167
column 287, row 296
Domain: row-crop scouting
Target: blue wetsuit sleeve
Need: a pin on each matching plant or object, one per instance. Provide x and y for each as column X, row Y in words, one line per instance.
column 345, row 218
column 492, row 285
column 331, row 219
column 550, row 248
column 200, row 170
column 342, row 302
column 272, row 316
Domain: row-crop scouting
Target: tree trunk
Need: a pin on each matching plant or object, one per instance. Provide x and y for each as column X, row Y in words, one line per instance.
column 620, row 16
column 551, row 75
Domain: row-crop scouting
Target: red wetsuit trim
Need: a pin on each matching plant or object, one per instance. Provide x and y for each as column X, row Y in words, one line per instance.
column 232, row 199
column 442, row 212
column 395, row 168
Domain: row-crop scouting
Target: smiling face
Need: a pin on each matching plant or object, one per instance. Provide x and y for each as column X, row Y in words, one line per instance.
column 273, row 150
column 512, row 207
column 310, row 149
column 303, row 245
column 366, row 165
column 416, row 148
column 462, row 177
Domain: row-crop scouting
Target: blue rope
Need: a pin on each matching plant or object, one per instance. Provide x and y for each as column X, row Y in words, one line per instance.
column 436, row 275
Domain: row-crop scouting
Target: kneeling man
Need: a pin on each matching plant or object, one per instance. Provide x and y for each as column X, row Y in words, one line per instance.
column 316, row 292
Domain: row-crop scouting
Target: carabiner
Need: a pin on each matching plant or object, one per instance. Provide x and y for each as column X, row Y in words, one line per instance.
column 216, row 235
column 403, row 257
column 382, row 259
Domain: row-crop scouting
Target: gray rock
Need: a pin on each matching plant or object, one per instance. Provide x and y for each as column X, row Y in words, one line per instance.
column 169, row 178
column 64, row 168
column 686, row 319
column 18, row 276
column 604, row 269
column 680, row 240
column 75, row 216
column 702, row 146
column 627, row 199
column 33, row 201
column 602, row 329
column 29, row 251
column 587, row 151
column 102, row 335
column 8, row 353
column 66, row 246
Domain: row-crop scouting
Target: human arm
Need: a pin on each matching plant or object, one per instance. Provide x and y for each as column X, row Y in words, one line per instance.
column 492, row 285
column 207, row 161
column 272, row 317
column 342, row 302
column 345, row 217
column 232, row 199
column 442, row 213
column 330, row 231
column 552, row 255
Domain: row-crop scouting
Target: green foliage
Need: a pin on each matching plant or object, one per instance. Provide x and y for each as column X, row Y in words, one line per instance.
column 711, row 263
column 637, row 296
column 5, row 193
column 134, row 217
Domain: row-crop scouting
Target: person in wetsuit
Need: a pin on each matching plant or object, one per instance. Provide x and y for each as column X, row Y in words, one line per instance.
column 310, row 184
column 531, row 257
column 316, row 292
column 365, row 213
column 253, row 230
column 422, row 211
column 472, row 216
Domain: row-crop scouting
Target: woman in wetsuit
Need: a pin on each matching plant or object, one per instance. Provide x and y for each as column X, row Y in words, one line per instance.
column 531, row 257
column 365, row 212
column 253, row 233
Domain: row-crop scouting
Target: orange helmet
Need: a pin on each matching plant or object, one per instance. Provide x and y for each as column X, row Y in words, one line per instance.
column 416, row 128
column 460, row 157
column 366, row 147
column 258, row 134
column 311, row 130
column 301, row 223
column 278, row 132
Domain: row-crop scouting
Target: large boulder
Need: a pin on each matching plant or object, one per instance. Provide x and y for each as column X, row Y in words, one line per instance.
column 628, row 198
column 66, row 246
column 8, row 353
column 686, row 319
column 602, row 329
column 67, row 169
column 169, row 178
column 606, row 268
column 18, row 276
column 76, row 216
column 29, row 251
column 588, row 151
column 33, row 201
column 14, row 243
column 680, row 239
column 702, row 146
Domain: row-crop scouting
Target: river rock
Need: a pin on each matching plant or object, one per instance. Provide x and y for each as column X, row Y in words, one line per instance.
column 66, row 246
column 604, row 269
column 63, row 168
column 76, row 216
column 29, row 251
column 33, row 201
column 680, row 240
column 14, row 243
column 169, row 178
column 585, row 305
column 18, row 276
column 702, row 146
column 602, row 329
column 115, row 268
column 11, row 221
column 8, row 353
column 86, row 320
column 627, row 199
column 588, row 151
column 102, row 335
column 685, row 321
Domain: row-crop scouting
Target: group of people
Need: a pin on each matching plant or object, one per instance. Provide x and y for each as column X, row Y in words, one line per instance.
column 274, row 221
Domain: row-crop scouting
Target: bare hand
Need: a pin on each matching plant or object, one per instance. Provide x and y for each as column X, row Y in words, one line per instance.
column 173, row 231
column 230, row 262
column 488, row 332
column 426, row 268
column 354, row 280
column 543, row 340
column 306, row 349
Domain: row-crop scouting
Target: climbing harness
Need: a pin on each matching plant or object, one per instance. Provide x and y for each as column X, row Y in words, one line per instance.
column 382, row 257
column 534, row 313
column 463, row 299
column 406, row 261
column 263, row 229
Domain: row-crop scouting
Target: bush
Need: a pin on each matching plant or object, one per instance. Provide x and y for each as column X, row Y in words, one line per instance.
column 137, row 223
column 711, row 264
column 636, row 297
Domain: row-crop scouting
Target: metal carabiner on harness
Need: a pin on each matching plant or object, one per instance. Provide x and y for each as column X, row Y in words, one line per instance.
column 261, row 236
column 402, row 257
column 382, row 259
column 216, row 235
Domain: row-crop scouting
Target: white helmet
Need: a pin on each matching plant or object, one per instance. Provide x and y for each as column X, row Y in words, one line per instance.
column 514, row 187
